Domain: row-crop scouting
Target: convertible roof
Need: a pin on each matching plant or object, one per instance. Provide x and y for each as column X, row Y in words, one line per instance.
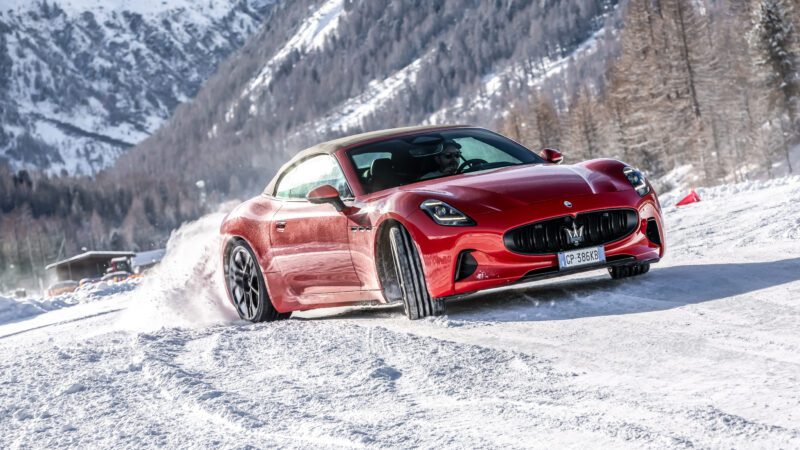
column 334, row 145
column 349, row 141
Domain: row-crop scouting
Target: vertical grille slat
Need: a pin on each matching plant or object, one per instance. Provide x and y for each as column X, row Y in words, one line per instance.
column 549, row 236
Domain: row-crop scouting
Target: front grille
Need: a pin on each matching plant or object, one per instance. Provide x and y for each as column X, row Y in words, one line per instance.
column 568, row 233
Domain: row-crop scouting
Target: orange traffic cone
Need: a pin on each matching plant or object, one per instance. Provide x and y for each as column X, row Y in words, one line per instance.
column 691, row 198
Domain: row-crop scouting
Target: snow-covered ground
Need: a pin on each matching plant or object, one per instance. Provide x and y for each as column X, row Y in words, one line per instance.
column 703, row 351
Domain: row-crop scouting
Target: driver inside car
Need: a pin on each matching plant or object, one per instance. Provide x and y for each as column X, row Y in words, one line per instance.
column 447, row 160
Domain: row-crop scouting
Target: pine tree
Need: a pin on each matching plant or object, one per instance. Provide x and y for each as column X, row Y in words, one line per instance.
column 776, row 40
column 583, row 135
column 547, row 120
column 636, row 96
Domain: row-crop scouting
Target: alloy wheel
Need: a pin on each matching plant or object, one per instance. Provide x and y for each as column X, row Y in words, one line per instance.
column 244, row 283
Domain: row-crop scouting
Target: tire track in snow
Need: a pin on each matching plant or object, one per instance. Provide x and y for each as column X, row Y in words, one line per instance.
column 219, row 398
column 630, row 418
column 394, row 388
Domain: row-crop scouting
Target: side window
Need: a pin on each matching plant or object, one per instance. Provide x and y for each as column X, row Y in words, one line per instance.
column 364, row 160
column 472, row 148
column 309, row 174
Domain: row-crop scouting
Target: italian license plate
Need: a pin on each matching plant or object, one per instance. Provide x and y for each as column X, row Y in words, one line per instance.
column 581, row 257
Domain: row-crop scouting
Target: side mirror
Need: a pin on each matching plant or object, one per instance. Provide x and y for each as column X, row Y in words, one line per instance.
column 552, row 155
column 326, row 194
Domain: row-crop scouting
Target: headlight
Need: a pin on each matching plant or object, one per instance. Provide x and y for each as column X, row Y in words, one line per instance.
column 446, row 215
column 637, row 180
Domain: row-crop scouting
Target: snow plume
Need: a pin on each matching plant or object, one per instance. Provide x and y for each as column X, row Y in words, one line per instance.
column 186, row 289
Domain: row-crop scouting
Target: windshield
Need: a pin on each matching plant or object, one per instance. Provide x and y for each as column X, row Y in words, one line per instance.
column 409, row 159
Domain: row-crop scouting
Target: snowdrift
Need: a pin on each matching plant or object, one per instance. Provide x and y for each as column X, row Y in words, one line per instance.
column 13, row 310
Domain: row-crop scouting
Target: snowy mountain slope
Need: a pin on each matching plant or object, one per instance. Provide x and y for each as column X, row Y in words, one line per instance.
column 84, row 80
column 323, row 68
column 481, row 103
column 701, row 352
column 351, row 114
column 311, row 34
column 487, row 101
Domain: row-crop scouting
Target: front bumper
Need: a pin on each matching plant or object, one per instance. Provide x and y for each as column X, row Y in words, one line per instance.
column 440, row 246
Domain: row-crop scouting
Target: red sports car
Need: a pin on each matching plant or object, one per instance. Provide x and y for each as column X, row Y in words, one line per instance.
column 421, row 215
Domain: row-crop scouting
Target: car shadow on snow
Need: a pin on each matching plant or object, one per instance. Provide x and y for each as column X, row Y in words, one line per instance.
column 598, row 295
column 595, row 294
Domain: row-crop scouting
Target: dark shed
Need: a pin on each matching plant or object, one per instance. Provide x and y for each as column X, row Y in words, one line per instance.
column 86, row 265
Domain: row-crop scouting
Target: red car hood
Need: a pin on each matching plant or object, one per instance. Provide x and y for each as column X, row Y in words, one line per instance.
column 512, row 187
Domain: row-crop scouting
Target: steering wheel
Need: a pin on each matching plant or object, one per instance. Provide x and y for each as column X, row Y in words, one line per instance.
column 469, row 164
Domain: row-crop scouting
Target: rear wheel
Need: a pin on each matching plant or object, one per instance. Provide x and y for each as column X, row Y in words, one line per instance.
column 630, row 270
column 416, row 299
column 247, row 288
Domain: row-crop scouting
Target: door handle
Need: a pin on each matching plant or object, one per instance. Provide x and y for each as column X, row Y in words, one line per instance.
column 280, row 225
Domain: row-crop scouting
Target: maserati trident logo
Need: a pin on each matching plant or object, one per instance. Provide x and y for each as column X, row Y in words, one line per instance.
column 567, row 204
column 574, row 235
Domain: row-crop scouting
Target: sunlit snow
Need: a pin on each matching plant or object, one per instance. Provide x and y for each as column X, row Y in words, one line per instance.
column 700, row 352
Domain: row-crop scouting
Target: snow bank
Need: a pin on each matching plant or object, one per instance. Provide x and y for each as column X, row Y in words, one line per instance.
column 753, row 214
column 12, row 310
column 680, row 179
column 792, row 183
column 186, row 289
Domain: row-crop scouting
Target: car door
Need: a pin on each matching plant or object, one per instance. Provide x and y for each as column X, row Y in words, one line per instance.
column 310, row 242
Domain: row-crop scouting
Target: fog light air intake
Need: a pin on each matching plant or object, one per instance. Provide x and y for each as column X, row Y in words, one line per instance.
column 652, row 232
column 466, row 265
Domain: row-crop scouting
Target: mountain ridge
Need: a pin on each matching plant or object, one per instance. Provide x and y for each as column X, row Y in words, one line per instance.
column 86, row 80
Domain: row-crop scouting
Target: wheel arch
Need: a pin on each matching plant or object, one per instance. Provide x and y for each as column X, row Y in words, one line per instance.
column 384, row 263
column 401, row 271
column 228, row 241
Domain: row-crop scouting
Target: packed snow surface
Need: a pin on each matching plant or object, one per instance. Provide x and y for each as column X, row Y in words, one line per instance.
column 703, row 351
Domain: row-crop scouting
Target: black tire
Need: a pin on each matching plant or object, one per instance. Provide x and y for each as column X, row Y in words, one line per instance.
column 246, row 286
column 417, row 302
column 630, row 270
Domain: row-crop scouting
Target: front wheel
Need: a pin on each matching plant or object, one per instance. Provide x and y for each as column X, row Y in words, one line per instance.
column 417, row 301
column 247, row 288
